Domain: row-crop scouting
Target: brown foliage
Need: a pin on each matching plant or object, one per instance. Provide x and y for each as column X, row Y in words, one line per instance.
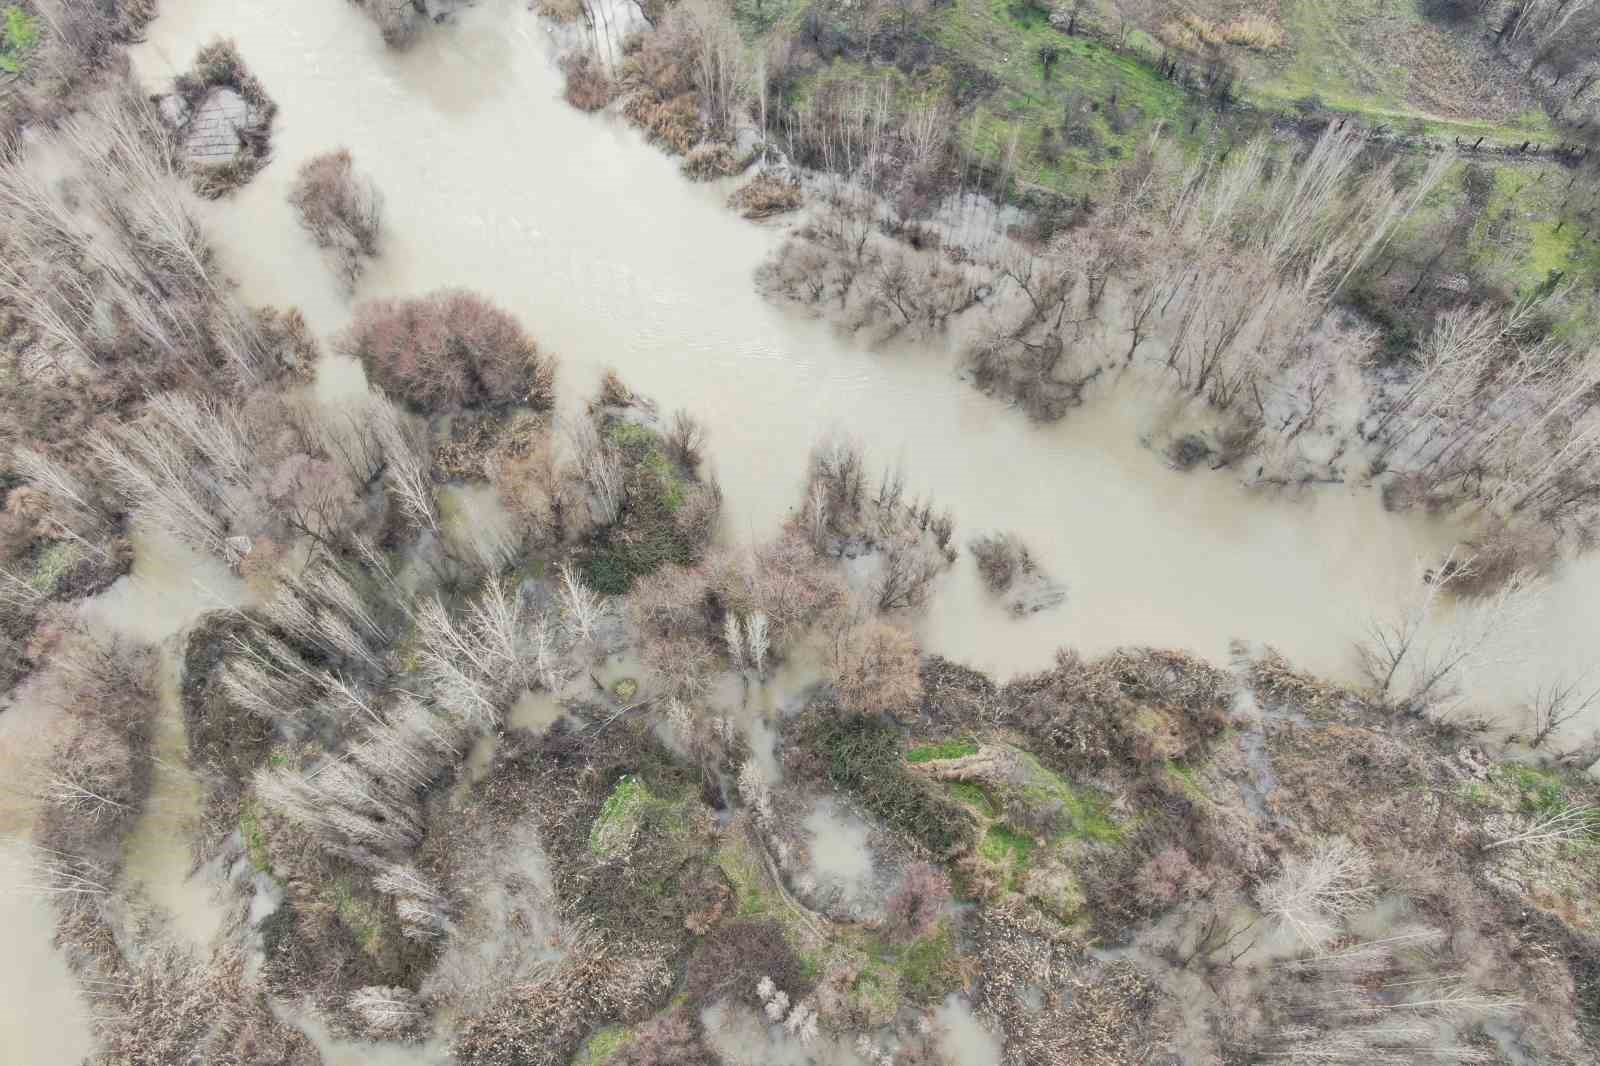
column 449, row 350
column 588, row 87
column 764, row 196
column 873, row 666
column 669, row 1040
column 1168, row 876
column 543, row 1023
column 733, row 958
column 707, row 162
column 914, row 908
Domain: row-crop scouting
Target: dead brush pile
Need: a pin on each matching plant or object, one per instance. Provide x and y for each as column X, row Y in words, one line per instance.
column 543, row 1023
column 587, row 85
column 1053, row 1004
column 764, row 196
column 1133, row 708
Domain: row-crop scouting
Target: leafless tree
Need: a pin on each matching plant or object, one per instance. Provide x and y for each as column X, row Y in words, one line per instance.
column 1576, row 821
column 599, row 463
column 1313, row 892
column 407, row 464
column 582, row 609
column 1554, row 704
column 909, row 569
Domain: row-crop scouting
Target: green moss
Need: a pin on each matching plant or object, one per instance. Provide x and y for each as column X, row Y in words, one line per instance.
column 602, row 1046
column 619, row 817
column 928, row 970
column 949, row 749
column 973, row 796
column 53, row 563
column 18, row 36
column 360, row 916
column 254, row 835
column 1008, row 850
column 1083, row 813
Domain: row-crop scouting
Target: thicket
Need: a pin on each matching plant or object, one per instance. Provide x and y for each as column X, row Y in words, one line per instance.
column 864, row 755
column 218, row 65
column 449, row 350
column 651, row 506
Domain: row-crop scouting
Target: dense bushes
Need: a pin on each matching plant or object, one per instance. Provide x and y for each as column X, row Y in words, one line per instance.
column 447, row 351
column 861, row 754
column 654, row 510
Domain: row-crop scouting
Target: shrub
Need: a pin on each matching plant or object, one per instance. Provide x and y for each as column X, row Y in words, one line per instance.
column 340, row 210
column 706, row 162
column 861, row 754
column 398, row 20
column 734, row 957
column 1001, row 558
column 667, row 1040
column 449, row 350
column 1168, row 876
column 588, row 87
column 765, row 195
column 914, row 908
column 873, row 667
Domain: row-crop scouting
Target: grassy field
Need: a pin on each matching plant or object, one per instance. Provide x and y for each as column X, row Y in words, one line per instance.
column 1070, row 123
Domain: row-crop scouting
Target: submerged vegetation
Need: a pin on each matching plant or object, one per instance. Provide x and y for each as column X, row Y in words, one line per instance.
column 500, row 744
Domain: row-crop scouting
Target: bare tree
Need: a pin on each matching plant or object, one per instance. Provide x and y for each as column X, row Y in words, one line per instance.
column 407, row 466
column 1554, row 704
column 599, row 463
column 1313, row 892
column 1577, row 821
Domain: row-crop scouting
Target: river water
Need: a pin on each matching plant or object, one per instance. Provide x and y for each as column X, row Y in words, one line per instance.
column 611, row 259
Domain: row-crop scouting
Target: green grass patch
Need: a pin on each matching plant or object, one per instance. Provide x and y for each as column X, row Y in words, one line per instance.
column 53, row 563
column 1083, row 812
column 19, row 35
column 928, row 967
column 1188, row 779
column 1008, row 850
column 360, row 916
column 602, row 1046
column 949, row 749
column 619, row 817
column 973, row 796
column 1336, row 55
column 1538, row 792
column 862, row 756
column 254, row 834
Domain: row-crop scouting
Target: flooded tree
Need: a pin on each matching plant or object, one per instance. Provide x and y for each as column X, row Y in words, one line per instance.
column 342, row 210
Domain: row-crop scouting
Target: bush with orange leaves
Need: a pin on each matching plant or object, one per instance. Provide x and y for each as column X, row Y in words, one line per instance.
column 449, row 350
column 873, row 666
